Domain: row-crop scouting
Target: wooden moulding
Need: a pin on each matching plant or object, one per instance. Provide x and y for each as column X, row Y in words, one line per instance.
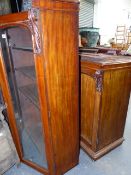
column 99, row 80
column 33, row 16
column 96, row 155
column 28, row 20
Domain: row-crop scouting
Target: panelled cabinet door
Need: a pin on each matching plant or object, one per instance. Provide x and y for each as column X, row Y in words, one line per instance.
column 88, row 93
column 113, row 116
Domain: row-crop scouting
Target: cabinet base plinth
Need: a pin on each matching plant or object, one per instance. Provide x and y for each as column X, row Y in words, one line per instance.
column 102, row 152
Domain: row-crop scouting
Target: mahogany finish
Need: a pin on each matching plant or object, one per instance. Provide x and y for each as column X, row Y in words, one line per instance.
column 55, row 44
column 105, row 92
column 103, row 50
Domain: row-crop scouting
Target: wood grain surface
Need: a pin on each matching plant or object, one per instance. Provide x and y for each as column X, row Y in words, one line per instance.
column 57, row 70
column 104, row 110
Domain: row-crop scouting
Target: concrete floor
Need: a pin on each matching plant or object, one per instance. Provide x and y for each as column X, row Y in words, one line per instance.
column 117, row 162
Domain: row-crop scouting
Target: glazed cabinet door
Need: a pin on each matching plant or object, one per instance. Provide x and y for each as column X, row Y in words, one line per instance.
column 19, row 64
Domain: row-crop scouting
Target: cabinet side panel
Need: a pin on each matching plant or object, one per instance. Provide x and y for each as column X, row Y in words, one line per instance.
column 115, row 99
column 61, row 69
column 88, row 90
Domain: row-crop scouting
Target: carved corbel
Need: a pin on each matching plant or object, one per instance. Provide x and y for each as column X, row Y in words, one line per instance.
column 33, row 17
column 99, row 80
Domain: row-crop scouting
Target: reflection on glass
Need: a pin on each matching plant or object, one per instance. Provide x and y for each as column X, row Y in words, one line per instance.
column 26, row 5
column 2, row 103
column 5, row 7
column 20, row 68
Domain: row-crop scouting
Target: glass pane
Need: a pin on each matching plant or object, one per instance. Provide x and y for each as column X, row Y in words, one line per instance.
column 26, row 5
column 20, row 66
column 5, row 7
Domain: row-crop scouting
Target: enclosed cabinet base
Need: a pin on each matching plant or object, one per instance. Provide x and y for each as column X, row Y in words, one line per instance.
column 96, row 155
column 105, row 92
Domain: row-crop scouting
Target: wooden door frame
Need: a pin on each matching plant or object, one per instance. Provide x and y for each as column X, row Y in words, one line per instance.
column 28, row 20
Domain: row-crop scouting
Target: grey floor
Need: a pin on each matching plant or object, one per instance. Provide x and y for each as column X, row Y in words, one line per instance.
column 117, row 162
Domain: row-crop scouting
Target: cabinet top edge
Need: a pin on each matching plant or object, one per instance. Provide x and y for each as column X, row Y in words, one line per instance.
column 102, row 60
column 39, row 2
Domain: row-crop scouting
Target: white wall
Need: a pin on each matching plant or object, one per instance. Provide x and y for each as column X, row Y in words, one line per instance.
column 110, row 13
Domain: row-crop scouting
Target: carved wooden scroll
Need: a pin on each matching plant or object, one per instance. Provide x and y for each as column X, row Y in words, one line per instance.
column 33, row 16
column 99, row 80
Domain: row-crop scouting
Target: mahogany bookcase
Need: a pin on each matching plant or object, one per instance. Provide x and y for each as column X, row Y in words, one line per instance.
column 39, row 75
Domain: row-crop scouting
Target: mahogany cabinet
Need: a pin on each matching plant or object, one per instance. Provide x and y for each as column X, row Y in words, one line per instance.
column 39, row 77
column 105, row 92
column 103, row 50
